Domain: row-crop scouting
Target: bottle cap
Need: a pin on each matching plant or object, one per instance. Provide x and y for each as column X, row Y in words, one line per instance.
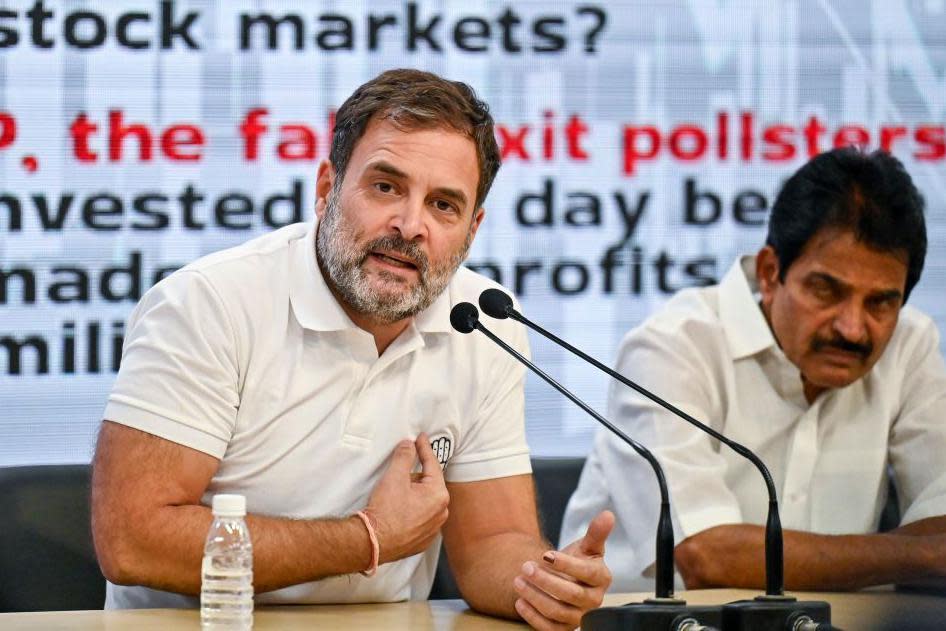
column 225, row 505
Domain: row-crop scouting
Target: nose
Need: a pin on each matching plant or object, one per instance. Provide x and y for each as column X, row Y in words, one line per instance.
column 850, row 321
column 408, row 219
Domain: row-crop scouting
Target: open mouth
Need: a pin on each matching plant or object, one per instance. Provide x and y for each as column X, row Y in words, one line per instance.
column 394, row 260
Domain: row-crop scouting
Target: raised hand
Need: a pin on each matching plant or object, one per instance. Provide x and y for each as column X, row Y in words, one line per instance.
column 557, row 591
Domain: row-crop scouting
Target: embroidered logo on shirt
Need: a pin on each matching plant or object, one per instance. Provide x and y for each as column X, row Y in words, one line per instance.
column 443, row 449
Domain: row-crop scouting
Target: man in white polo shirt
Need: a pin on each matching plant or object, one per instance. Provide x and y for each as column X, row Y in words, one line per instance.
column 311, row 368
column 806, row 355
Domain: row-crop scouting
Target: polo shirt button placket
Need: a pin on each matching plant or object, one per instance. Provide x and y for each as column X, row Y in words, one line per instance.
column 357, row 425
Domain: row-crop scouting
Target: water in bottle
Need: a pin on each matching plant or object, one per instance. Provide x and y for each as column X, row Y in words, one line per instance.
column 226, row 588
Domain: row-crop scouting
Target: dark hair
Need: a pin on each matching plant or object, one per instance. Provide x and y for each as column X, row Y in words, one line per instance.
column 869, row 194
column 413, row 99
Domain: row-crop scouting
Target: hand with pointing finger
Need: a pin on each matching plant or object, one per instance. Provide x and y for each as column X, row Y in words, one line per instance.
column 557, row 591
column 407, row 509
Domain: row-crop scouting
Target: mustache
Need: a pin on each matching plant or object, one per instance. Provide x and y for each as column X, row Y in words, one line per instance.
column 843, row 344
column 395, row 243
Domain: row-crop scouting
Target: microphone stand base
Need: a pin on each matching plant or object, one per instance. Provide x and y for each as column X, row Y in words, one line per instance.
column 657, row 600
column 654, row 614
column 773, row 613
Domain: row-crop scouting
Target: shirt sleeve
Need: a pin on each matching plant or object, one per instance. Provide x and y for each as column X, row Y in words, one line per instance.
column 179, row 373
column 667, row 364
column 918, row 435
column 495, row 444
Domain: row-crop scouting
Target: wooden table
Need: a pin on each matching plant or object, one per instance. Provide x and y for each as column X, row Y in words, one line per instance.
column 871, row 610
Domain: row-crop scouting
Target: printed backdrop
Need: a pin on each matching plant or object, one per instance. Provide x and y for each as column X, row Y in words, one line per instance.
column 643, row 143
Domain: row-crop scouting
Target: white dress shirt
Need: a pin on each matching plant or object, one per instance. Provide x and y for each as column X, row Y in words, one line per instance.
column 711, row 353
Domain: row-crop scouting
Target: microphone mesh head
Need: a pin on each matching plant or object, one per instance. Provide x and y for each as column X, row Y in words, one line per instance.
column 496, row 303
column 464, row 317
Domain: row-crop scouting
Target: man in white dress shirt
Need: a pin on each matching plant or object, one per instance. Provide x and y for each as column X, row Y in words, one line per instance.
column 312, row 368
column 806, row 354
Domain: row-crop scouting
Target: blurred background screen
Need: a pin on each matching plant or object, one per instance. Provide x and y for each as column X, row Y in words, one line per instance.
column 643, row 144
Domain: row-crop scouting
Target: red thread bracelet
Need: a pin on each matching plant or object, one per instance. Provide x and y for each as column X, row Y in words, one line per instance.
column 375, row 548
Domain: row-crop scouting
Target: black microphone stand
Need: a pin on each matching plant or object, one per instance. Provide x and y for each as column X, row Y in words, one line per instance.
column 773, row 610
column 663, row 612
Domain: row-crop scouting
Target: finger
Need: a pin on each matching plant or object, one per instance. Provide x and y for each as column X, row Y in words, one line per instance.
column 590, row 572
column 592, row 544
column 428, row 459
column 536, row 620
column 560, row 587
column 549, row 608
column 402, row 458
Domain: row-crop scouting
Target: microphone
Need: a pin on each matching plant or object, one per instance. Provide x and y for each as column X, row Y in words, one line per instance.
column 664, row 611
column 774, row 603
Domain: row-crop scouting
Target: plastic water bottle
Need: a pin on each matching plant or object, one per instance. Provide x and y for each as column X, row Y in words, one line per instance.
column 226, row 586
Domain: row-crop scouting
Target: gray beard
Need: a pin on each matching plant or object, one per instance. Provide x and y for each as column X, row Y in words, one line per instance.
column 387, row 298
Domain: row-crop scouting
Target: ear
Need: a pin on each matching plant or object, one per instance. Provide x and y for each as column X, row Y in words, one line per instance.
column 767, row 274
column 478, row 215
column 323, row 186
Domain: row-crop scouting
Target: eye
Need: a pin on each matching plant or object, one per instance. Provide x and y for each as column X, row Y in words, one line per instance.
column 384, row 187
column 822, row 290
column 445, row 206
column 883, row 305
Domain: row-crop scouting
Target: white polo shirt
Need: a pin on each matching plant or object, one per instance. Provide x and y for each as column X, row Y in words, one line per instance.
column 711, row 353
column 246, row 355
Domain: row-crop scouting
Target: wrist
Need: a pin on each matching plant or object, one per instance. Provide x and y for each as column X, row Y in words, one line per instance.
column 934, row 556
column 375, row 549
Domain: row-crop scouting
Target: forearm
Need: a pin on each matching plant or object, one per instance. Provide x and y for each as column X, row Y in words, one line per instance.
column 929, row 526
column 732, row 555
column 848, row 562
column 167, row 554
column 926, row 527
column 504, row 567
column 486, row 580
